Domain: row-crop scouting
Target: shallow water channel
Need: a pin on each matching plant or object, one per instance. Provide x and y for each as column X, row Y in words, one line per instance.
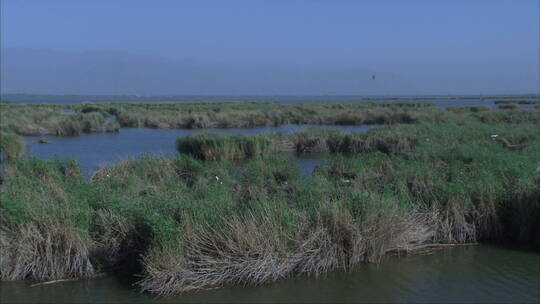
column 96, row 149
column 483, row 273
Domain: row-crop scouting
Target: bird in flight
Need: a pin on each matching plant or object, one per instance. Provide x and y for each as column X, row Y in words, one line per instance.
column 373, row 77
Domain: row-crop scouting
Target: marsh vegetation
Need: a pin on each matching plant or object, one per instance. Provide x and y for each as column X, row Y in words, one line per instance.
column 47, row 119
column 204, row 220
column 517, row 101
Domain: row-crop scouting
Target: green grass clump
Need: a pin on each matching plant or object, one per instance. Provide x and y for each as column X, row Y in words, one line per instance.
column 517, row 101
column 508, row 107
column 44, row 222
column 218, row 147
column 470, row 109
column 11, row 145
column 514, row 117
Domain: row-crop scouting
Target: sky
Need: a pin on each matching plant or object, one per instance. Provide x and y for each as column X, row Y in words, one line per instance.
column 270, row 47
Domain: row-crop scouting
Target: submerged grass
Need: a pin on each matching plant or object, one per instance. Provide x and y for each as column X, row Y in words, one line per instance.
column 185, row 224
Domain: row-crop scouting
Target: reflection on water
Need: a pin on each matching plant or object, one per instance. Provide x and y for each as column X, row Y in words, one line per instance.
column 466, row 274
column 96, row 149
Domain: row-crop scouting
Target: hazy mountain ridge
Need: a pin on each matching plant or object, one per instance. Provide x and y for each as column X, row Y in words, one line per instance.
column 42, row 71
column 38, row 71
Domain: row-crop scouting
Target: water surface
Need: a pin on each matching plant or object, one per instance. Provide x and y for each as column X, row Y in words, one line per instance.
column 469, row 274
column 96, row 149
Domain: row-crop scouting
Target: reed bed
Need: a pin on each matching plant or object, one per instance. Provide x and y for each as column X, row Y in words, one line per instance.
column 470, row 109
column 185, row 224
column 517, row 101
column 216, row 147
column 313, row 140
column 510, row 106
column 48, row 119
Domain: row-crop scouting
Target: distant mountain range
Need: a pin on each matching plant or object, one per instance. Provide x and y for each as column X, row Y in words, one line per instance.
column 42, row 71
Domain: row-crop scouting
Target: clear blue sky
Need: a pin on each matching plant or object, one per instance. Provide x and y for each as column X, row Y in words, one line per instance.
column 417, row 47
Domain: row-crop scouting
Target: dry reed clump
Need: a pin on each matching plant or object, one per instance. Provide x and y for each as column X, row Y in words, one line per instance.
column 253, row 250
column 473, row 109
column 512, row 143
column 242, row 252
column 113, row 237
column 31, row 129
column 43, row 233
column 149, row 169
column 308, row 142
column 45, row 249
column 318, row 141
column 349, row 143
column 508, row 107
column 395, row 229
column 518, row 101
column 513, row 117
column 485, row 216
column 452, row 226
column 520, row 216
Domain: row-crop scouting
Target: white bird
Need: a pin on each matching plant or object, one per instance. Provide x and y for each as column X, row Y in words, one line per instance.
column 494, row 135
